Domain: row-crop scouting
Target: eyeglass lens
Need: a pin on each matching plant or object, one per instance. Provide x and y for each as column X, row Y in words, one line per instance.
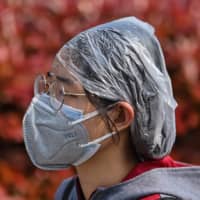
column 55, row 90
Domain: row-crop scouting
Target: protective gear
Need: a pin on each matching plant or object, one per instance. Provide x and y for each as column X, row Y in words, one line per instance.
column 123, row 60
column 55, row 90
column 57, row 140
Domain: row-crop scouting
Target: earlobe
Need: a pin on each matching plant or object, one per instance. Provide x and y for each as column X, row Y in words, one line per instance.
column 124, row 115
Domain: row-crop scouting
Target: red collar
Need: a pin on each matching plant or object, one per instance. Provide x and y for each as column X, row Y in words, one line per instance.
column 142, row 167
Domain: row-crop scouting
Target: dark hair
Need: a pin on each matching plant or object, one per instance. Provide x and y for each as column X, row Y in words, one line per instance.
column 103, row 105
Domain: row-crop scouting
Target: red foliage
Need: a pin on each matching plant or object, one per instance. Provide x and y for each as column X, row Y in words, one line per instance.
column 32, row 32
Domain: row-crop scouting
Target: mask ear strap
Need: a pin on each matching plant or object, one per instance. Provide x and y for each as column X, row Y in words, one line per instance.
column 89, row 115
column 85, row 117
column 98, row 140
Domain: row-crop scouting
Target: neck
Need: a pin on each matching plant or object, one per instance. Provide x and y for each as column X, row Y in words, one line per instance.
column 108, row 167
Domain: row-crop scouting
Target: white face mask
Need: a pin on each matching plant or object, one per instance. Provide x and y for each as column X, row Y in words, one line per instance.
column 57, row 140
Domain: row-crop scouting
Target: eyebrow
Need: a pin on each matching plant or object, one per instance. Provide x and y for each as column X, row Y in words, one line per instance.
column 60, row 78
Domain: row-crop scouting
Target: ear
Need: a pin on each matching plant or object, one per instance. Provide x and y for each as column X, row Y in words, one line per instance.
column 122, row 115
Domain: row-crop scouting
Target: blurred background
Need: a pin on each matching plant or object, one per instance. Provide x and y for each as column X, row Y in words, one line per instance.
column 32, row 31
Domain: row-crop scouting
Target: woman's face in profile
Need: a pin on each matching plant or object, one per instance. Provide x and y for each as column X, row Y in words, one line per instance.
column 66, row 79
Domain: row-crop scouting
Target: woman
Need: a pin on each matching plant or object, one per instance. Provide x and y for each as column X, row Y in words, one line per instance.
column 107, row 108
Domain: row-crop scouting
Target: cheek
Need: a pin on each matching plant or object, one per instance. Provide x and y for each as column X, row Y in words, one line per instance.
column 76, row 102
column 96, row 127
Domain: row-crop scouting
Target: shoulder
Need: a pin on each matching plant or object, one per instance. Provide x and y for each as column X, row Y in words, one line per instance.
column 67, row 187
column 178, row 183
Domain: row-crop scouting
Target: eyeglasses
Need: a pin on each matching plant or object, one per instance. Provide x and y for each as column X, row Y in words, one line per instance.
column 54, row 88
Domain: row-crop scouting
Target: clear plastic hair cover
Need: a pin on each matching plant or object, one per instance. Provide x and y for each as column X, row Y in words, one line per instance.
column 122, row 61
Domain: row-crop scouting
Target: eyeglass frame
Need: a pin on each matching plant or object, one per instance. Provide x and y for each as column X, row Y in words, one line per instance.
column 64, row 93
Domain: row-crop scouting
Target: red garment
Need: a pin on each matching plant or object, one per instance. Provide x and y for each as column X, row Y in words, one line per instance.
column 141, row 168
column 148, row 165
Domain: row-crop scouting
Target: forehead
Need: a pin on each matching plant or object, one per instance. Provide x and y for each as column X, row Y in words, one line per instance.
column 65, row 75
column 59, row 69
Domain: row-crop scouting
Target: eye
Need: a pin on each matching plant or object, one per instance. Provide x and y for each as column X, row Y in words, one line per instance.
column 46, row 87
column 61, row 92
